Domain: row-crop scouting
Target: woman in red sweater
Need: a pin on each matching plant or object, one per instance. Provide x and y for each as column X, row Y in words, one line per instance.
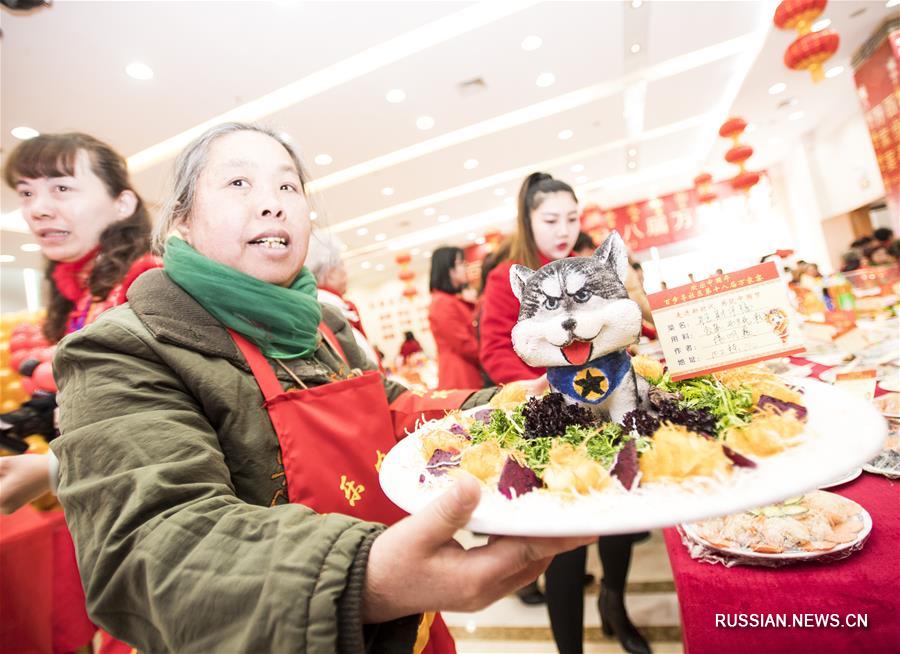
column 451, row 320
column 547, row 228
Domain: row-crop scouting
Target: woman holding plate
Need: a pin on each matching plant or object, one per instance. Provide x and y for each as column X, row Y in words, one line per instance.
column 231, row 500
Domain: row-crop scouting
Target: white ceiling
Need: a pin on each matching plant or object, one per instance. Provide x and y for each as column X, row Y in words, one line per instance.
column 326, row 67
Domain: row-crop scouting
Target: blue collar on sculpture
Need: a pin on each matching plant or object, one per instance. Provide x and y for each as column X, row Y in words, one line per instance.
column 592, row 382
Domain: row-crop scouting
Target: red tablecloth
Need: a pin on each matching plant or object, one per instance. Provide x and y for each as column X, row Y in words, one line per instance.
column 865, row 583
column 41, row 599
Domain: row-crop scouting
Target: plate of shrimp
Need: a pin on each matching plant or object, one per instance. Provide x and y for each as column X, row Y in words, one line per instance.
column 800, row 528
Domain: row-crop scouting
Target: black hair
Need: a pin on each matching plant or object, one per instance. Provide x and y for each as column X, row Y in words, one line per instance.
column 443, row 259
column 883, row 234
column 408, row 336
column 583, row 242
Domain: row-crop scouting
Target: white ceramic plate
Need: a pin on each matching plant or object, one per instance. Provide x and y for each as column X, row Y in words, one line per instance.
column 843, row 479
column 799, row 555
column 845, row 431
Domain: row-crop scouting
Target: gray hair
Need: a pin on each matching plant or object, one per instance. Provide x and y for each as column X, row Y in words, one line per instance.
column 324, row 254
column 188, row 166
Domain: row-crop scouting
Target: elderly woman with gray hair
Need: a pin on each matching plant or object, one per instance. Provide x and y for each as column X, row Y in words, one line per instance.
column 221, row 440
column 325, row 263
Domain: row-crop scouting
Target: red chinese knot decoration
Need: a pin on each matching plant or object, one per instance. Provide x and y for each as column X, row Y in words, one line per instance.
column 810, row 49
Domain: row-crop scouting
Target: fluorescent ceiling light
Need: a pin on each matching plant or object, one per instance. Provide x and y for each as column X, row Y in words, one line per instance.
column 24, row 133
column 369, row 60
column 545, row 79
column 532, row 42
column 395, row 96
column 139, row 71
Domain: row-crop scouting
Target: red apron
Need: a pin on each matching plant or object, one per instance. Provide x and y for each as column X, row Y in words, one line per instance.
column 333, row 438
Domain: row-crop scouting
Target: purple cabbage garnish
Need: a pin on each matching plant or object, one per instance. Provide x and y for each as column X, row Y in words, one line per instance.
column 738, row 459
column 441, row 461
column 518, row 477
column 625, row 468
column 782, row 406
column 459, row 430
column 484, row 415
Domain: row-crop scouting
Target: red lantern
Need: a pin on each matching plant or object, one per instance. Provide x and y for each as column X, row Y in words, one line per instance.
column 738, row 154
column 703, row 183
column 410, row 292
column 733, row 128
column 798, row 14
column 744, row 181
column 406, row 275
column 810, row 51
column 403, row 259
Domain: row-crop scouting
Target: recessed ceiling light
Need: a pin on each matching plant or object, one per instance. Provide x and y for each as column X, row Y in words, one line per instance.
column 470, row 164
column 430, row 211
column 632, row 152
column 313, row 215
column 443, row 218
column 632, row 165
column 395, row 96
column 565, row 135
column 834, row 71
column 380, row 237
column 480, row 240
column 362, row 231
column 137, row 70
column 636, row 4
column 365, row 265
column 577, row 168
column 545, row 79
column 323, row 159
column 499, row 192
column 7, row 258
column 387, row 190
column 415, row 251
column 379, row 267
column 821, row 24
column 24, row 133
column 635, row 48
column 581, row 179
column 797, row 115
column 777, row 88
column 30, row 247
column 532, row 42
column 424, row 122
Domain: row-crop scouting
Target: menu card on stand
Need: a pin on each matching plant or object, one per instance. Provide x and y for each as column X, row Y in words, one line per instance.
column 726, row 321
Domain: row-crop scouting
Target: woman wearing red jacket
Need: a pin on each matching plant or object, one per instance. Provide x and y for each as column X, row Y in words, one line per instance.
column 451, row 320
column 547, row 229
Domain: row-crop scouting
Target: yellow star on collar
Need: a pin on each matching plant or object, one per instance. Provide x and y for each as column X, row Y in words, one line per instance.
column 590, row 383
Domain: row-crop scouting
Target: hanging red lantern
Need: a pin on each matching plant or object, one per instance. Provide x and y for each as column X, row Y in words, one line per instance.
column 798, row 14
column 811, row 49
column 745, row 180
column 406, row 275
column 403, row 259
column 410, row 292
column 703, row 185
column 739, row 153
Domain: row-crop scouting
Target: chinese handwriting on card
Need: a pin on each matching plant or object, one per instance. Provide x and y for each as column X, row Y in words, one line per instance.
column 725, row 321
